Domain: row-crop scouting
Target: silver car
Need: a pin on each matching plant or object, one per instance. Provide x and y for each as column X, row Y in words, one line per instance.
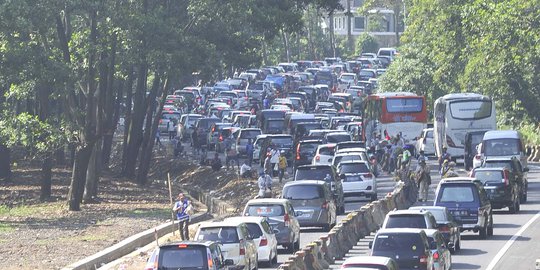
column 281, row 217
column 313, row 203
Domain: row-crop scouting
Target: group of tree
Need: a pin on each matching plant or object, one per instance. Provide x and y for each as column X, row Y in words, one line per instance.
column 69, row 69
column 482, row 46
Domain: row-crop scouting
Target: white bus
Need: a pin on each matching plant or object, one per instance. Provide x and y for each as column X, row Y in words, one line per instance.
column 457, row 114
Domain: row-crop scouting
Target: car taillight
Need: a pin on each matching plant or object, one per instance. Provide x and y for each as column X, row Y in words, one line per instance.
column 242, row 250
column 450, row 142
column 325, row 205
column 505, row 175
column 423, row 259
column 264, row 242
column 210, row 261
column 220, row 138
column 317, row 158
column 286, row 220
column 160, row 121
column 436, row 255
column 298, row 152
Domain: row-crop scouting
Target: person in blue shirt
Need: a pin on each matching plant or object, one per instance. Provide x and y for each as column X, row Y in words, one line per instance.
column 182, row 208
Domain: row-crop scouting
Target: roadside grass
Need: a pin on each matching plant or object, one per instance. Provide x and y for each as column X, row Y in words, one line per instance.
column 151, row 213
column 31, row 210
column 5, row 228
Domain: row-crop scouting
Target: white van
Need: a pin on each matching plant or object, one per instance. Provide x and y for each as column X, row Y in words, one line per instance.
column 503, row 143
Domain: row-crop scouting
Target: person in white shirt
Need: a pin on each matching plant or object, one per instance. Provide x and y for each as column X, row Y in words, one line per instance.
column 245, row 170
column 274, row 159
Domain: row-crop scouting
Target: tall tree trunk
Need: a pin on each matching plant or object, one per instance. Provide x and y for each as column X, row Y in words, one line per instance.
column 396, row 24
column 331, row 33
column 43, row 92
column 93, row 174
column 46, row 178
column 146, row 157
column 350, row 41
column 5, row 163
column 127, row 115
column 78, row 177
column 135, row 129
column 109, row 123
column 286, row 44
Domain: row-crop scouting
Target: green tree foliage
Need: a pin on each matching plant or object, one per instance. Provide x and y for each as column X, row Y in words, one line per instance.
column 488, row 47
column 366, row 43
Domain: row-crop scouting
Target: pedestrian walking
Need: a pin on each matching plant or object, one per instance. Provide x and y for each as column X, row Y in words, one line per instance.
column 274, row 159
column 216, row 163
column 171, row 127
column 267, row 164
column 265, row 185
column 282, row 165
column 232, row 157
column 423, row 180
column 158, row 140
column 449, row 170
column 183, row 210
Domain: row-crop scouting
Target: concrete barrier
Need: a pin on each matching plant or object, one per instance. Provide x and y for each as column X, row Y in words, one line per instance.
column 532, row 152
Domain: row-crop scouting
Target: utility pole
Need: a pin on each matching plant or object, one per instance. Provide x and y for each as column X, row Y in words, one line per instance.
column 350, row 42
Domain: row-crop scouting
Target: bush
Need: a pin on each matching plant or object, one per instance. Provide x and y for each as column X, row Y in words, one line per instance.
column 366, row 43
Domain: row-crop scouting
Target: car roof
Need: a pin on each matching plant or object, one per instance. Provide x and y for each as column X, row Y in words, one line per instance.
column 457, row 180
column 352, row 162
column 499, row 158
column 267, row 201
column 490, row 169
column 255, row 219
column 314, row 166
column 368, row 259
column 327, row 145
column 224, row 223
column 305, row 182
column 399, row 230
column 408, row 212
column 428, row 208
column 501, row 134
column 191, row 242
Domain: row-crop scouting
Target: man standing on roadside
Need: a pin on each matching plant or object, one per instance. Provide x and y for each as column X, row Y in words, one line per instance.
column 182, row 208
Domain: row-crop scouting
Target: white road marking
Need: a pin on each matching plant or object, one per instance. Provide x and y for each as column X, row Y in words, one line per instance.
column 505, row 248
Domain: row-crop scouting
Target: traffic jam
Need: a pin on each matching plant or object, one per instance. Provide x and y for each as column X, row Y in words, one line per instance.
column 324, row 128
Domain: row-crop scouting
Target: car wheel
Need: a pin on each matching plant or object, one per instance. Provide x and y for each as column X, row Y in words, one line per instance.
column 524, row 197
column 374, row 197
column 274, row 260
column 326, row 227
column 490, row 228
column 512, row 209
column 457, row 246
column 483, row 231
column 297, row 244
column 256, row 267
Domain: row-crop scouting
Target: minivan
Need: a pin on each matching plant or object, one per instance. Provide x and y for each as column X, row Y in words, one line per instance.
column 188, row 254
column 468, row 203
column 313, row 203
column 503, row 143
column 323, row 173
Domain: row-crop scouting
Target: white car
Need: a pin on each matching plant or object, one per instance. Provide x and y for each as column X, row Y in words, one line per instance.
column 425, row 142
column 236, row 242
column 347, row 79
column 370, row 262
column 264, row 238
column 348, row 156
column 357, row 179
column 324, row 154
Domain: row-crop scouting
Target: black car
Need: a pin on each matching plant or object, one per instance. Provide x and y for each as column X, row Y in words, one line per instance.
column 188, row 254
column 514, row 165
column 472, row 140
column 501, row 186
column 283, row 143
column 304, row 152
column 325, row 173
column 409, row 247
column 468, row 203
column 273, row 126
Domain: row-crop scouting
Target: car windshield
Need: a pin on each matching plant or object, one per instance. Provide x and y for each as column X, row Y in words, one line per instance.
column 489, row 176
column 501, row 147
column 170, row 116
column 266, row 210
column 347, row 77
column 303, row 192
column 276, row 124
column 173, row 257
column 310, row 147
column 327, row 151
column 249, row 134
column 399, row 242
column 335, row 138
column 457, row 194
column 406, row 221
column 353, row 168
column 315, row 173
column 283, row 141
column 496, row 163
column 224, row 235
column 339, row 159
column 254, row 229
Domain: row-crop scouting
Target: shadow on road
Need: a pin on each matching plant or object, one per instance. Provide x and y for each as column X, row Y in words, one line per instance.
column 465, row 266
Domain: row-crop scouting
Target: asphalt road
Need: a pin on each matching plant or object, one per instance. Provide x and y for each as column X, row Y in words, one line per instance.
column 514, row 244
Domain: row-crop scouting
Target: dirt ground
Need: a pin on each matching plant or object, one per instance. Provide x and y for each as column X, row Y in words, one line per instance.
column 35, row 235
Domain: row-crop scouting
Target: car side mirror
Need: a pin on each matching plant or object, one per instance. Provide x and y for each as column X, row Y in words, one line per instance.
column 228, row 262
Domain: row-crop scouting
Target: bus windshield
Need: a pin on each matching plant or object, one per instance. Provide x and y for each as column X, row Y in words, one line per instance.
column 404, row 105
column 470, row 109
